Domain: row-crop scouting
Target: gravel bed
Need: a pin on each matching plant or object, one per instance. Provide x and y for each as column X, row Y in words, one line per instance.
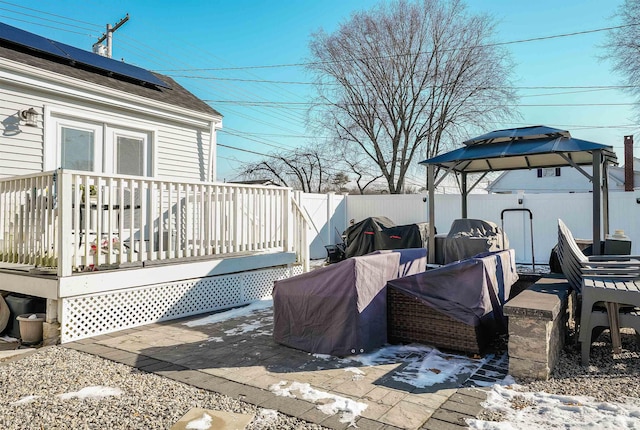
column 608, row 378
column 147, row 401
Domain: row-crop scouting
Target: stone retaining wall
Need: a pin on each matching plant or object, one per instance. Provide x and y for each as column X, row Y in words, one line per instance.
column 538, row 322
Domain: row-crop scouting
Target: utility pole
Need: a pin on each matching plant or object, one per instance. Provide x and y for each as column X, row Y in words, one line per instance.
column 98, row 48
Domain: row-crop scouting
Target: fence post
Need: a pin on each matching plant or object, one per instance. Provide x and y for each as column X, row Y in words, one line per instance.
column 330, row 209
column 63, row 239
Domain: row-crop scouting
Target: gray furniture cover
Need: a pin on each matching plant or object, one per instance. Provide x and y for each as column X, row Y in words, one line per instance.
column 339, row 309
column 469, row 237
column 471, row 291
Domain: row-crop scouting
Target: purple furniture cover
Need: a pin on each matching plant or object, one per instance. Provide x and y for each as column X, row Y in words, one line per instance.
column 471, row 291
column 412, row 260
column 339, row 309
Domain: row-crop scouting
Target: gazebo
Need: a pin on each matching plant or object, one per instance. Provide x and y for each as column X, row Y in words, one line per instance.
column 523, row 148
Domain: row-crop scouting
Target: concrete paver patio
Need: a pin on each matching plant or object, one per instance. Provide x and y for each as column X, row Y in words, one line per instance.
column 238, row 357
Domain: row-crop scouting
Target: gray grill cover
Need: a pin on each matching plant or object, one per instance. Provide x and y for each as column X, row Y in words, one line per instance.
column 471, row 291
column 339, row 309
column 469, row 237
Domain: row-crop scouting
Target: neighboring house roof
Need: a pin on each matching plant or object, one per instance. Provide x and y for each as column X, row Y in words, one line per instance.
column 256, row 182
column 175, row 95
column 569, row 181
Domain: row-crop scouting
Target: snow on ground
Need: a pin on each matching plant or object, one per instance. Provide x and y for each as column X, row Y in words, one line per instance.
column 24, row 400
column 95, row 392
column 202, row 423
column 265, row 417
column 425, row 365
column 349, row 409
column 542, row 411
column 231, row 313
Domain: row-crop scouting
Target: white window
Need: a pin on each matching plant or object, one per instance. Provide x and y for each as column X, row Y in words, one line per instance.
column 98, row 147
column 131, row 153
column 549, row 172
column 78, row 146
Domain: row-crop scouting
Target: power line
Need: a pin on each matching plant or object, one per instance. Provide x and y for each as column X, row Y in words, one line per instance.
column 280, row 104
column 314, row 63
column 44, row 25
column 45, row 19
column 514, row 87
column 51, row 14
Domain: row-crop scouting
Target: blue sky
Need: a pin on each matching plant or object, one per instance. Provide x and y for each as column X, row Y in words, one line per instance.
column 169, row 37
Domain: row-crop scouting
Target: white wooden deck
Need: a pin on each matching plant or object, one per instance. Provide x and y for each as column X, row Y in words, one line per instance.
column 136, row 250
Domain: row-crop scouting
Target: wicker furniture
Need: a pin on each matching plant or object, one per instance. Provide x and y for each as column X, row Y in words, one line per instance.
column 455, row 307
column 409, row 320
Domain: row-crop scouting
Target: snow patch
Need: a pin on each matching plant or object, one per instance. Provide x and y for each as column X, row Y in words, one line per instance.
column 542, row 411
column 94, row 392
column 231, row 313
column 202, row 423
column 24, row 400
column 348, row 409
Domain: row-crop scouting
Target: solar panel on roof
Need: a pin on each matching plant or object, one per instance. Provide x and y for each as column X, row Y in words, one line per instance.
column 42, row 44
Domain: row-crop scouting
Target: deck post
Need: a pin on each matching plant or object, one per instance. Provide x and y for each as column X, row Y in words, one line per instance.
column 287, row 221
column 65, row 238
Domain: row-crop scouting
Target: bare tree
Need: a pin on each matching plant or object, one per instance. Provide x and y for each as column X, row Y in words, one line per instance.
column 623, row 47
column 301, row 169
column 404, row 80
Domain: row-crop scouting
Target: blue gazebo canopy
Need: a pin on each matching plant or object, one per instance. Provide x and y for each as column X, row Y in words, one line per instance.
column 521, row 148
column 524, row 148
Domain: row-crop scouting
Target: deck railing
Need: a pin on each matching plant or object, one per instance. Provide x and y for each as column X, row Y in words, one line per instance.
column 83, row 221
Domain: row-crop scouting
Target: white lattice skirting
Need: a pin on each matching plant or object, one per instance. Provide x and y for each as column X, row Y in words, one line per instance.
column 91, row 315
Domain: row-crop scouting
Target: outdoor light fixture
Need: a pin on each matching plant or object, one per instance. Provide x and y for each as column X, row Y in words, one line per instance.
column 29, row 116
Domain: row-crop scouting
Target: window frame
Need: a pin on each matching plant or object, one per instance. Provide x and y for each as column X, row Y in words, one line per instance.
column 104, row 128
column 111, row 145
column 98, row 140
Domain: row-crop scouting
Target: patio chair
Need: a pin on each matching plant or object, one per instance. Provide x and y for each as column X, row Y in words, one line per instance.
column 575, row 264
column 612, row 268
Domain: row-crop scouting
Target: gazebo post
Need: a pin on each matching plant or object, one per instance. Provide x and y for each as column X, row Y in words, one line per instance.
column 605, row 197
column 464, row 194
column 597, row 190
column 431, row 258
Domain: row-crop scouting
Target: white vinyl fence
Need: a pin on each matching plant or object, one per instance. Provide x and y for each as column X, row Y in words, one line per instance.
column 575, row 209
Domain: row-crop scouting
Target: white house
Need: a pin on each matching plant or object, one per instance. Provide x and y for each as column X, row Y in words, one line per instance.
column 559, row 180
column 108, row 208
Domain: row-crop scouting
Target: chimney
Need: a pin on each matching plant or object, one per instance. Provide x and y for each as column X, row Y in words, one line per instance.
column 628, row 163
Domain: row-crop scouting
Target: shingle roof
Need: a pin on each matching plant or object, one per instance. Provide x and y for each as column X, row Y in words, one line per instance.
column 176, row 95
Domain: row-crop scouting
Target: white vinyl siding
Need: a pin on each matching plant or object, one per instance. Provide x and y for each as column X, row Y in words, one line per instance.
column 20, row 145
column 176, row 150
column 182, row 153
